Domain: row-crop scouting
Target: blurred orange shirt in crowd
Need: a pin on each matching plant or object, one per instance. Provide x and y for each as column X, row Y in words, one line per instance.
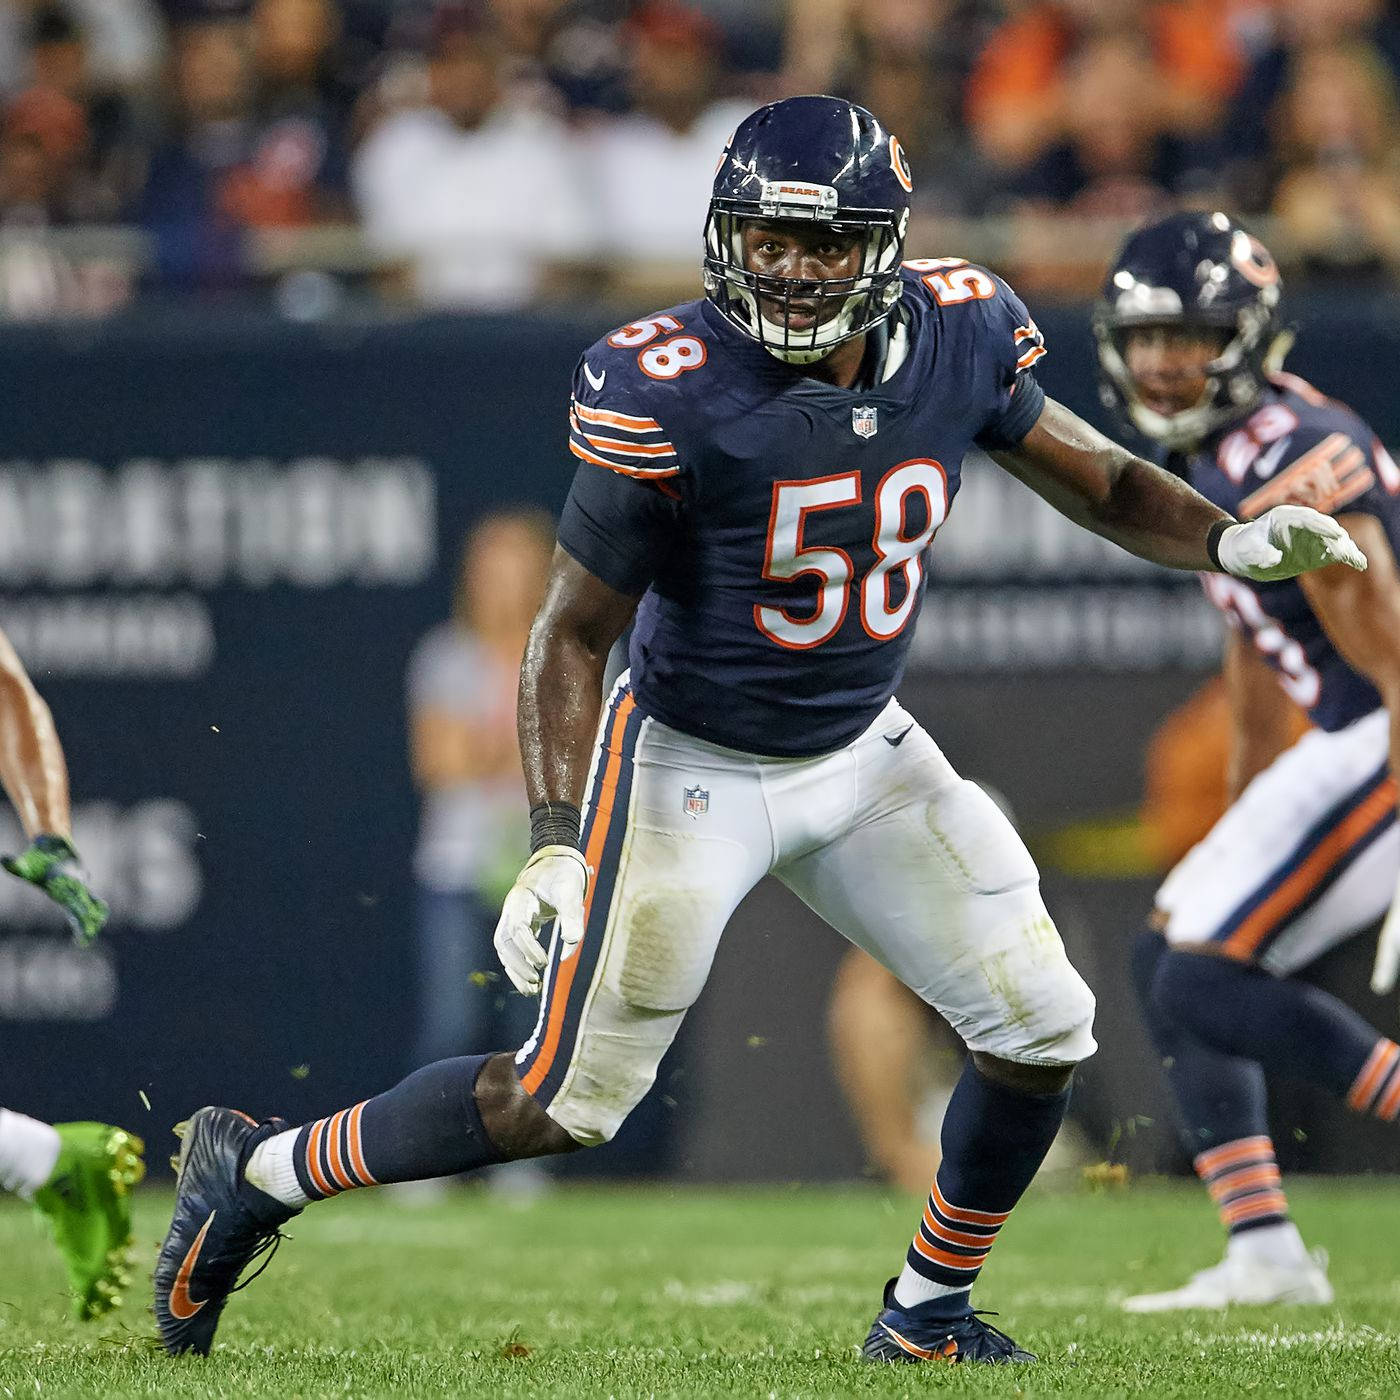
column 1021, row 65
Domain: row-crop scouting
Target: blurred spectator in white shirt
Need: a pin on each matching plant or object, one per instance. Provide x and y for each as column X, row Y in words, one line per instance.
column 478, row 195
column 652, row 170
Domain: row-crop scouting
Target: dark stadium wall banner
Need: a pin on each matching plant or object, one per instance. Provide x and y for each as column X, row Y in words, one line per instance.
column 220, row 538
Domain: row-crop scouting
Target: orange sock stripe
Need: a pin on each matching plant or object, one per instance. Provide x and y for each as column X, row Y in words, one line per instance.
column 1354, row 828
column 597, row 838
column 1243, row 1179
column 1378, row 1064
column 1231, row 1154
column 938, row 1229
column 313, row 1159
column 342, row 1178
column 967, row 1262
column 357, row 1155
column 1252, row 1207
column 966, row 1217
column 1388, row 1104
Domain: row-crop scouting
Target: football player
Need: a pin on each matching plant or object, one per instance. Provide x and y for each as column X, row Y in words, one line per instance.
column 79, row 1175
column 1190, row 344
column 760, row 475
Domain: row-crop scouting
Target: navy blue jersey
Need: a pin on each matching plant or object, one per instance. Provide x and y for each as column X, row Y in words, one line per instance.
column 776, row 526
column 1298, row 448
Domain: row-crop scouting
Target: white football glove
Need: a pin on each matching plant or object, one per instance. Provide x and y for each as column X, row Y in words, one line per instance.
column 1386, row 972
column 1284, row 542
column 551, row 886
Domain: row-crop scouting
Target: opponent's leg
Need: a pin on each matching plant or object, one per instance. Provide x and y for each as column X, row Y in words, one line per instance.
column 932, row 880
column 79, row 1176
column 662, row 891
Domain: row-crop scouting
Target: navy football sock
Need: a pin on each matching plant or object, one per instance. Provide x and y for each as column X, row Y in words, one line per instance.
column 425, row 1126
column 1291, row 1028
column 994, row 1140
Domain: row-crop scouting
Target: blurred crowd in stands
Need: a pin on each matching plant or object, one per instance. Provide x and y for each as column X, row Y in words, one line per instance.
column 484, row 153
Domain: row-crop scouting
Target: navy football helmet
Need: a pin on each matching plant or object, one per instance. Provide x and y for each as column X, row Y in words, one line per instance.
column 1201, row 271
column 809, row 158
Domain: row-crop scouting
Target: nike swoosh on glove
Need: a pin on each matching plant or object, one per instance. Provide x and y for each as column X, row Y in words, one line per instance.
column 551, row 886
column 1285, row 542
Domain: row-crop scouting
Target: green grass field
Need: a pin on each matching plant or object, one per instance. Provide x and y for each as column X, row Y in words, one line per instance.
column 652, row 1292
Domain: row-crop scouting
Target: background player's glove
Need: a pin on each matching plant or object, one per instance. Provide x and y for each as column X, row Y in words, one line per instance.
column 51, row 864
column 1284, row 542
column 551, row 886
column 1386, row 972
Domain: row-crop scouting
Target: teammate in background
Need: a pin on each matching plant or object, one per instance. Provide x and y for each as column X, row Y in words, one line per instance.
column 79, row 1175
column 761, row 474
column 1307, row 854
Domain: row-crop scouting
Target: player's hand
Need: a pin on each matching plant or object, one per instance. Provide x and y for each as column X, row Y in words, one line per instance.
column 1386, row 972
column 1284, row 542
column 551, row 886
column 51, row 864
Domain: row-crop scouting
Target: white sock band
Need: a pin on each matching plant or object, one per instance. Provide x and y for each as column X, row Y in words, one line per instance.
column 270, row 1169
column 912, row 1288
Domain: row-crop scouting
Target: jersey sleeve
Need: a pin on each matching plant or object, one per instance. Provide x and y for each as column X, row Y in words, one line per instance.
column 1335, row 466
column 1016, row 345
column 622, row 513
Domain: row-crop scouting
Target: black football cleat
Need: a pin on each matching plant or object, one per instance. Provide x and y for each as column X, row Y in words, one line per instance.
column 220, row 1225
column 901, row 1336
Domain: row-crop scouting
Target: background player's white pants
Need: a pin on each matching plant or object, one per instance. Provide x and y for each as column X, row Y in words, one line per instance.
column 1305, row 857
column 882, row 839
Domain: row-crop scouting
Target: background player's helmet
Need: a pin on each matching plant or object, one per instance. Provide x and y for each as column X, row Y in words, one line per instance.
column 1199, row 270
column 809, row 158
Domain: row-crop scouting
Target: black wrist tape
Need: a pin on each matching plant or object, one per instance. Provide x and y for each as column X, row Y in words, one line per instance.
column 555, row 824
column 1213, row 540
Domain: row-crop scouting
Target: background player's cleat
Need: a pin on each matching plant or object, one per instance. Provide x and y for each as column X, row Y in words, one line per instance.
column 220, row 1225
column 901, row 1336
column 87, row 1204
column 1238, row 1279
column 51, row 863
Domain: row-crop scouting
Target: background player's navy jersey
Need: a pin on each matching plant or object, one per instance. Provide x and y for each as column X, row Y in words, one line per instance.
column 1298, row 448
column 776, row 525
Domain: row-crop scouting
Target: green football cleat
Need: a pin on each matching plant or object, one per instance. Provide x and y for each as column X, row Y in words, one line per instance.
column 87, row 1203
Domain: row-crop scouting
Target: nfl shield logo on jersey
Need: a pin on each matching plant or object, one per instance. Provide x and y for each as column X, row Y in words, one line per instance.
column 697, row 802
column 864, row 422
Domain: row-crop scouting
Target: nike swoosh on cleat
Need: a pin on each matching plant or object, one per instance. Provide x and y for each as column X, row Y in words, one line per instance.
column 182, row 1306
column 895, row 740
column 596, row 380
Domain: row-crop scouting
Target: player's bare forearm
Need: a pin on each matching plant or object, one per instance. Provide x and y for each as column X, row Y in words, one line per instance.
column 1261, row 718
column 561, row 679
column 1361, row 614
column 1108, row 490
column 32, row 767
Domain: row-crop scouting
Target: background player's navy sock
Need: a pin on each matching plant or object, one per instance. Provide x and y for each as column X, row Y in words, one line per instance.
column 425, row 1126
column 1291, row 1028
column 994, row 1140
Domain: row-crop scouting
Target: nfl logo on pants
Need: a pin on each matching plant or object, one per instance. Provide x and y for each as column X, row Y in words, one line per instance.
column 864, row 422
column 697, row 801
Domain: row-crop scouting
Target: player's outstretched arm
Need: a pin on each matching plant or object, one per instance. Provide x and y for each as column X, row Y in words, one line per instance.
column 1155, row 515
column 561, row 697
column 35, row 779
column 1361, row 615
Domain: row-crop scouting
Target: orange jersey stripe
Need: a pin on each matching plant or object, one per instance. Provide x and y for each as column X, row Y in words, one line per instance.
column 1233, row 1152
column 343, row 1178
column 967, row 1217
column 618, row 467
column 610, row 419
column 949, row 1261
column 1373, row 1072
column 607, row 792
column 936, row 1227
column 1031, row 356
column 357, row 1155
column 1353, row 828
column 313, row 1162
column 627, row 449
